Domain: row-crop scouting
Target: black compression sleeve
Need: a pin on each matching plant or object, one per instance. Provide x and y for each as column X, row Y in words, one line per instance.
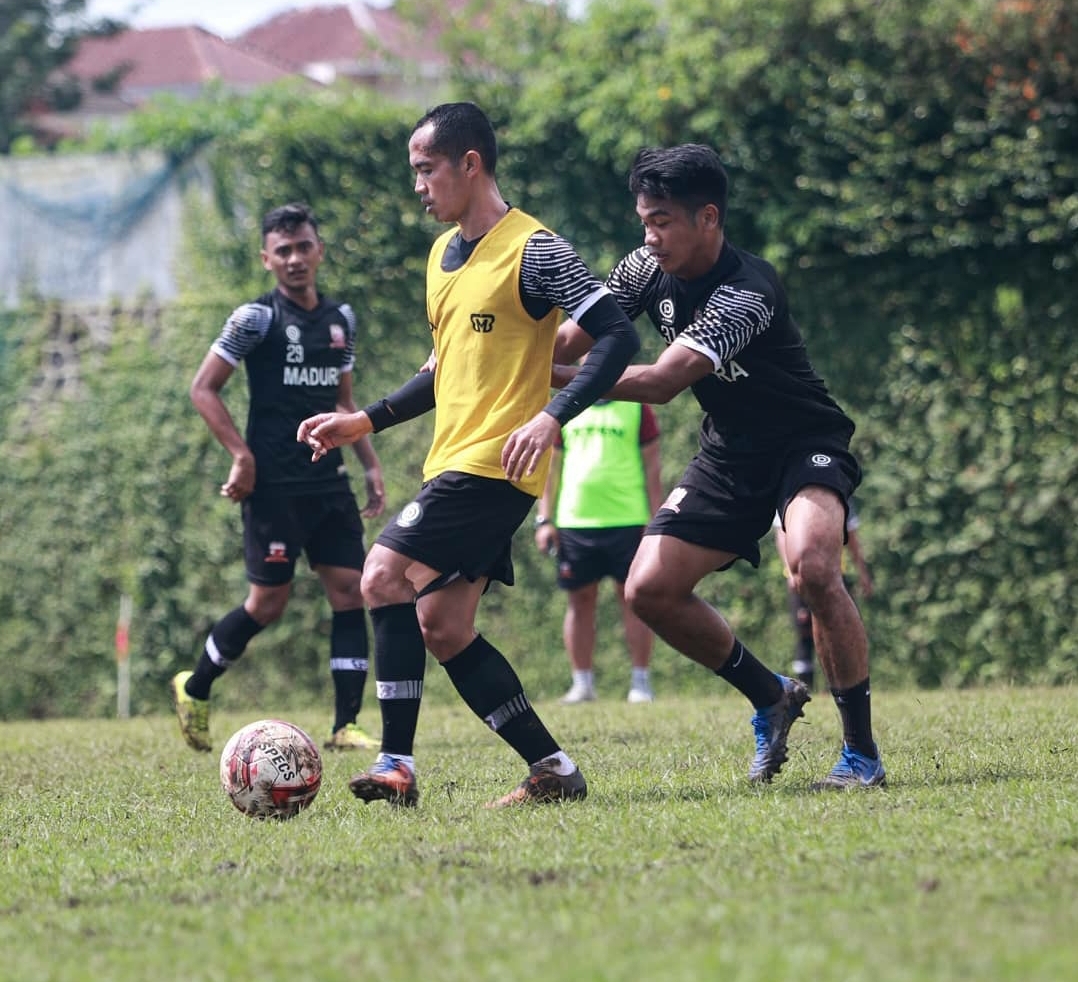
column 412, row 399
column 616, row 344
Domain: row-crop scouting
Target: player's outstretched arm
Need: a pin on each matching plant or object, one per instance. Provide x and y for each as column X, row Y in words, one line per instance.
column 676, row 369
column 326, row 431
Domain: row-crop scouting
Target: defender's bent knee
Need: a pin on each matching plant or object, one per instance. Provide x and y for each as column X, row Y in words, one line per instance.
column 646, row 598
column 381, row 585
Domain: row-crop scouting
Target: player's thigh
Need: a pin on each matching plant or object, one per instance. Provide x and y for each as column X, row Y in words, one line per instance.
column 389, row 576
column 583, row 600
column 668, row 568
column 332, row 530
column 272, row 540
column 816, row 484
column 815, row 529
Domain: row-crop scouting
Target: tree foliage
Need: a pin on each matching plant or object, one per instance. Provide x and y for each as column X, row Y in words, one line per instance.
column 973, row 439
column 912, row 169
column 37, row 37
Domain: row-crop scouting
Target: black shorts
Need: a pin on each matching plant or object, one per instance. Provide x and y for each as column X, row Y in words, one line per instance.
column 587, row 555
column 277, row 528
column 728, row 502
column 461, row 525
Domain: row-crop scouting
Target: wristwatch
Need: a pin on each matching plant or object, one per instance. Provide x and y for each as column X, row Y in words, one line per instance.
column 541, row 520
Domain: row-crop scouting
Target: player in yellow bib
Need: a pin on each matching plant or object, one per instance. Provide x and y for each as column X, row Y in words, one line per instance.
column 497, row 357
column 494, row 286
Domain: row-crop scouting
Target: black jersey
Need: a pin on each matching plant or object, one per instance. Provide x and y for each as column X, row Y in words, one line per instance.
column 764, row 392
column 295, row 359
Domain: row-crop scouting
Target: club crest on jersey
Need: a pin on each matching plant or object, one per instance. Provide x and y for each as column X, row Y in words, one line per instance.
column 482, row 323
column 410, row 515
column 278, row 553
column 336, row 336
column 293, row 333
column 666, row 319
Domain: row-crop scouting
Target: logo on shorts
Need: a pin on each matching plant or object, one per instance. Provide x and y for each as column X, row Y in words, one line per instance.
column 278, row 553
column 410, row 515
column 820, row 460
column 674, row 500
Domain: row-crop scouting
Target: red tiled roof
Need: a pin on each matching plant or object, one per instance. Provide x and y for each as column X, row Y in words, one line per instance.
column 347, row 32
column 316, row 34
column 171, row 58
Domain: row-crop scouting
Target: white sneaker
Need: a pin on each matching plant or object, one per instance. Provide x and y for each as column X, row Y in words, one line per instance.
column 578, row 693
column 641, row 693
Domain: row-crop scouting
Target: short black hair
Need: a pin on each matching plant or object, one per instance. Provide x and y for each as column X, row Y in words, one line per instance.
column 287, row 218
column 460, row 127
column 690, row 174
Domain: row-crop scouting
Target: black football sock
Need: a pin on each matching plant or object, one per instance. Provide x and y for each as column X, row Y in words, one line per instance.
column 855, row 708
column 751, row 677
column 400, row 661
column 348, row 662
column 487, row 683
column 226, row 642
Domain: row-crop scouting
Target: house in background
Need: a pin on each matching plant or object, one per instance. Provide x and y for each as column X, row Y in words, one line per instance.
column 179, row 60
column 354, row 42
column 118, row 74
column 90, row 230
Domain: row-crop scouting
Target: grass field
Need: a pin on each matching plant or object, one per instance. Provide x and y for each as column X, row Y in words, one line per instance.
column 121, row 859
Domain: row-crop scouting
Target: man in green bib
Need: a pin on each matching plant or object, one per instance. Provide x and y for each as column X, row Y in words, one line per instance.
column 604, row 486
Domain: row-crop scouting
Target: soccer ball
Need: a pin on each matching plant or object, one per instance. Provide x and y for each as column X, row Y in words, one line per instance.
column 271, row 769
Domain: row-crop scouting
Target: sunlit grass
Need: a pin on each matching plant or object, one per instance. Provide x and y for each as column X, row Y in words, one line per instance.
column 123, row 860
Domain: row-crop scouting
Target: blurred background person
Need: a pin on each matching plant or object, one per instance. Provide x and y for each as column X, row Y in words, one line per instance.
column 604, row 485
column 298, row 349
